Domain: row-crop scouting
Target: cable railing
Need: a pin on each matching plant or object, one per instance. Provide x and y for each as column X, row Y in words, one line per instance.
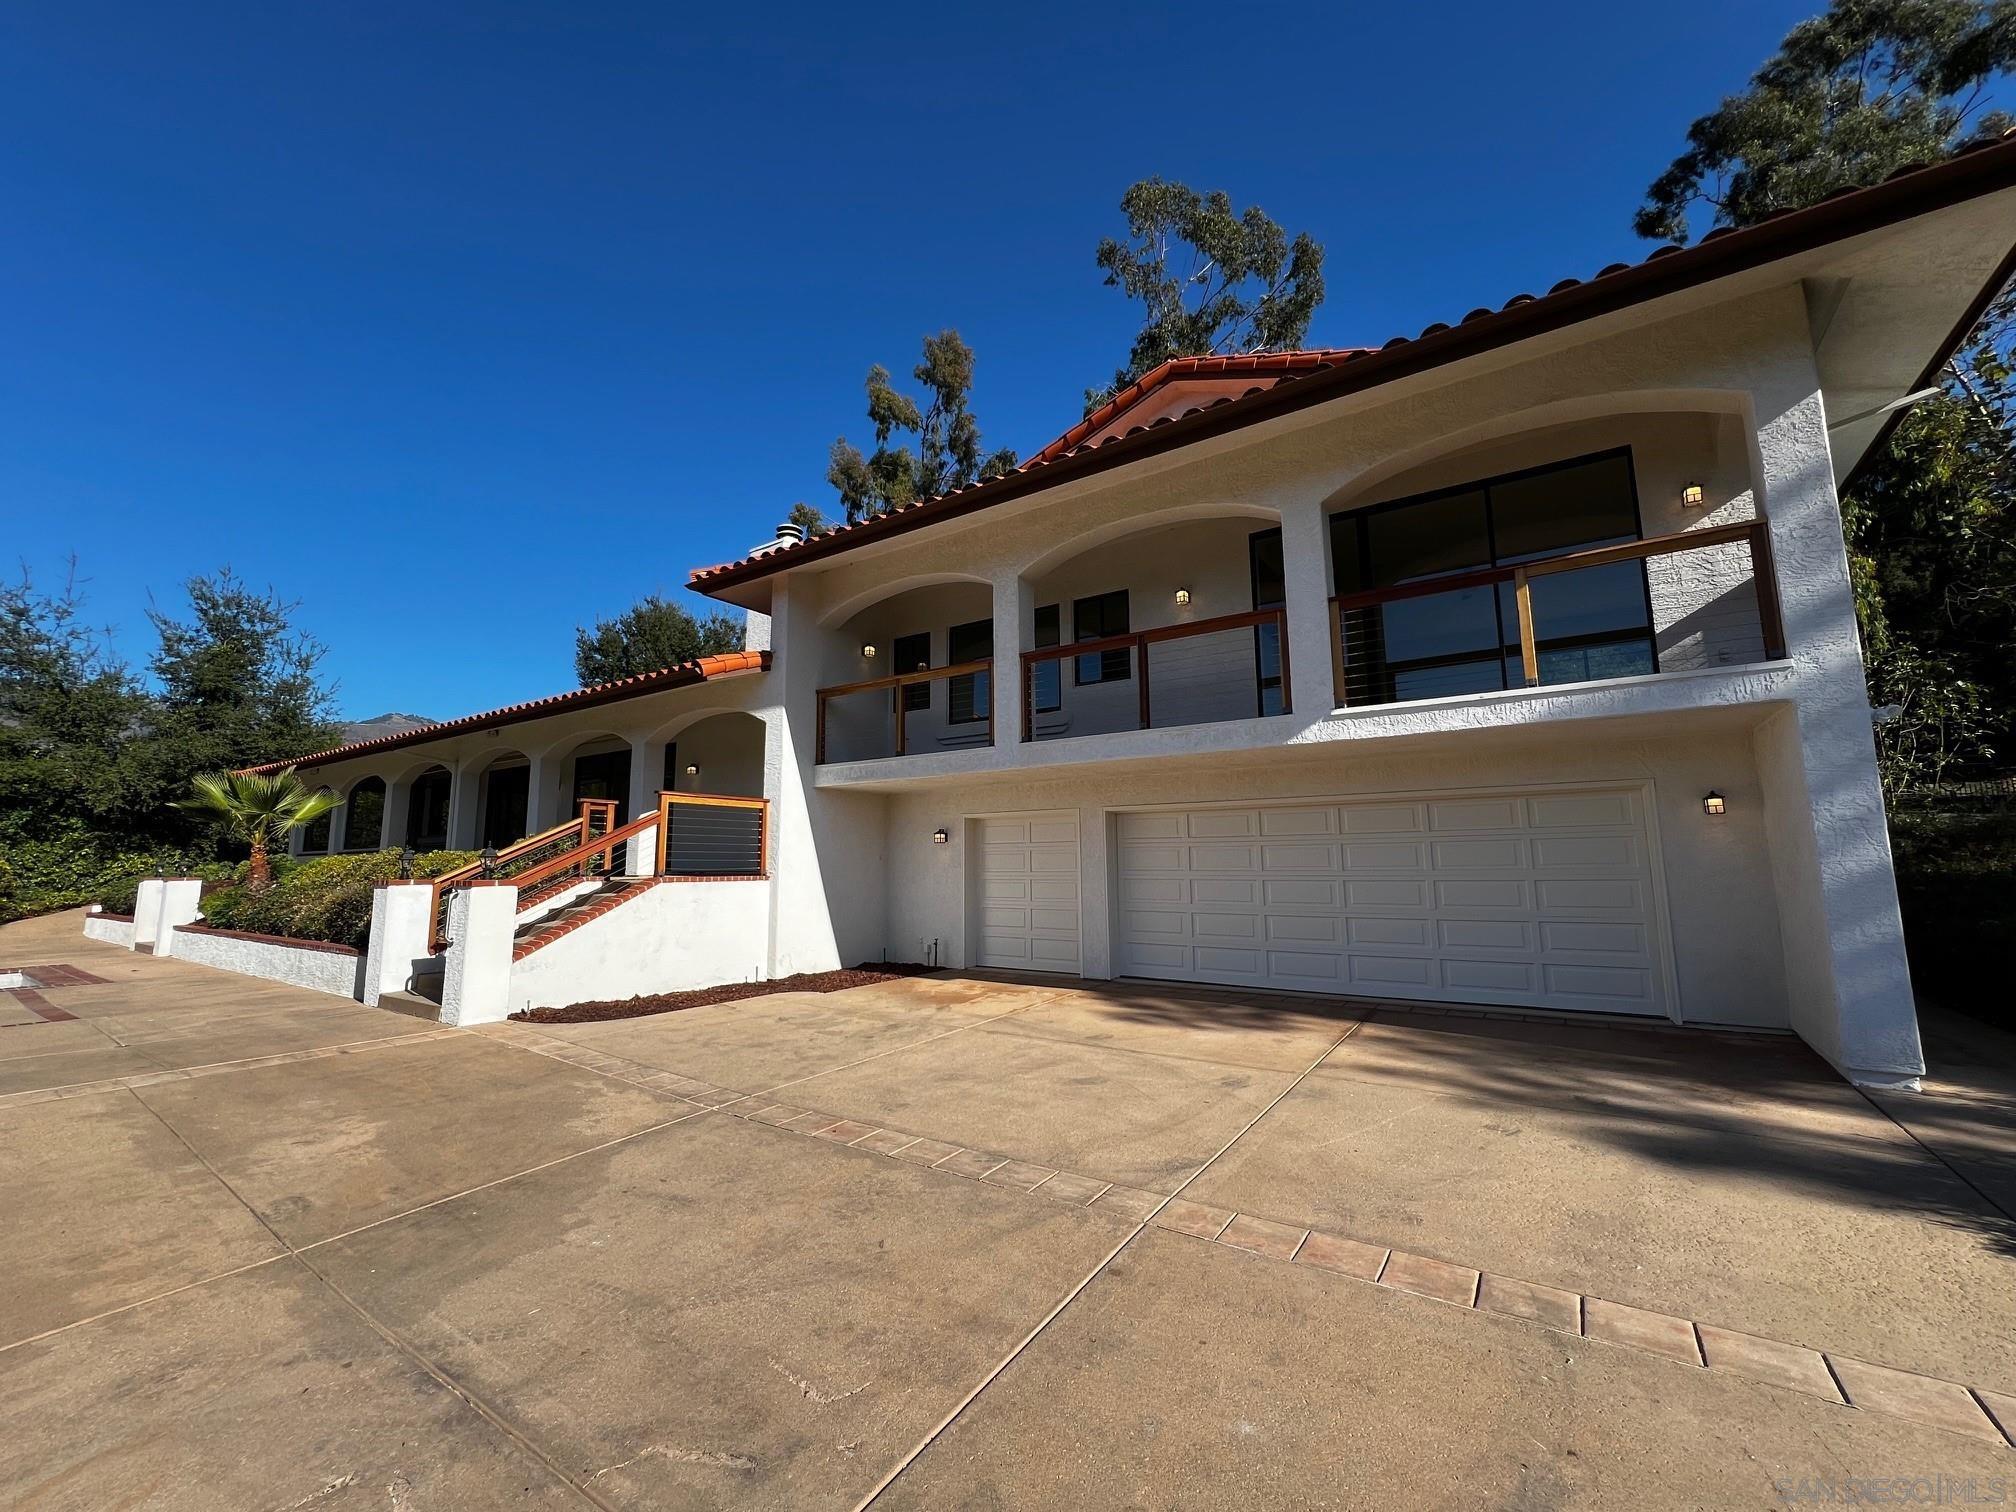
column 597, row 816
column 1205, row 672
column 865, row 730
column 713, row 835
column 1389, row 646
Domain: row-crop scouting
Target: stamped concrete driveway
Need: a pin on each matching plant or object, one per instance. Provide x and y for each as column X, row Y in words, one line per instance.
column 964, row 1243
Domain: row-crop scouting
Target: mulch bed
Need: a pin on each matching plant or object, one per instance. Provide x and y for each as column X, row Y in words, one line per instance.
column 700, row 997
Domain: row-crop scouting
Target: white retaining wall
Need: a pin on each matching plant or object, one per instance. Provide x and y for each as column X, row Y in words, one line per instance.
column 675, row 937
column 334, row 970
column 105, row 928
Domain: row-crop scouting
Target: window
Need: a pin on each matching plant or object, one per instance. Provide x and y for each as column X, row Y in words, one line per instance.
column 364, row 821
column 1592, row 623
column 1094, row 619
column 316, row 832
column 427, row 810
column 1046, row 678
column 912, row 653
column 971, row 692
column 1270, row 591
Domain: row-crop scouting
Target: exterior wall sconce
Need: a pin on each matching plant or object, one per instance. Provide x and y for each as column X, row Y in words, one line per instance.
column 1693, row 496
column 868, row 653
column 1182, row 598
column 941, row 837
column 692, row 771
column 1715, row 804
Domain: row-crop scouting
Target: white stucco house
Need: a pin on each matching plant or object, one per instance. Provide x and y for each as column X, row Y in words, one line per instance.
column 1509, row 664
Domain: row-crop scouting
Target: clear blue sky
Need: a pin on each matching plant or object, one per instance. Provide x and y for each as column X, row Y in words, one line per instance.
column 463, row 324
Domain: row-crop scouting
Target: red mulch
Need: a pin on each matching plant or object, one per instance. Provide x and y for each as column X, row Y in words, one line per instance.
column 700, row 997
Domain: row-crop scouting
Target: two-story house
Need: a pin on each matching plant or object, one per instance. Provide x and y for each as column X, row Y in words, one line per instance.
column 1510, row 664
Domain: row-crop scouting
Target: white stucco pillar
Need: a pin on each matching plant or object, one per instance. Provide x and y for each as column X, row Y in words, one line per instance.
column 1305, row 562
column 1846, row 968
column 146, row 913
column 647, row 775
column 542, row 792
column 481, row 920
column 339, row 828
column 1014, row 633
column 398, row 806
column 181, row 902
column 464, row 785
column 401, row 920
column 641, row 852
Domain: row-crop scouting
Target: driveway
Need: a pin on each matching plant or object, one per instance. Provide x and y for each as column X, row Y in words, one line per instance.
column 953, row 1242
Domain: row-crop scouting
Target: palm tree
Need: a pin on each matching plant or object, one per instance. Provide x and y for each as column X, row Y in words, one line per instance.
column 259, row 808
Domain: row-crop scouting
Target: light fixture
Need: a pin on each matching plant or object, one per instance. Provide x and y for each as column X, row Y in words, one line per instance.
column 868, row 653
column 941, row 837
column 692, row 771
column 1714, row 804
column 1182, row 598
column 1693, row 496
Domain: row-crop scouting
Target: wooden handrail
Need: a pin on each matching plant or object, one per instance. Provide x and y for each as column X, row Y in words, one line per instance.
column 669, row 800
column 894, row 680
column 601, row 845
column 1757, row 533
column 515, row 849
column 1139, row 641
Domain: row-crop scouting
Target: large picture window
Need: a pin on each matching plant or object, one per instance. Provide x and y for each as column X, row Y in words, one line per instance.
column 1593, row 623
column 971, row 693
column 1094, row 619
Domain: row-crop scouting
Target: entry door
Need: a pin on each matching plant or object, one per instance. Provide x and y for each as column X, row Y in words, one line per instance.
column 1536, row 899
column 1027, row 886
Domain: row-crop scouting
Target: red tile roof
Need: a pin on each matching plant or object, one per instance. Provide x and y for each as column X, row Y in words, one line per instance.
column 727, row 664
column 1302, row 379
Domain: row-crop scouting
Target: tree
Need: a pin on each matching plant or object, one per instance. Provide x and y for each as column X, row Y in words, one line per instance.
column 807, row 519
column 238, row 684
column 68, row 712
column 650, row 635
column 1242, row 287
column 948, row 454
column 259, row 809
column 1851, row 96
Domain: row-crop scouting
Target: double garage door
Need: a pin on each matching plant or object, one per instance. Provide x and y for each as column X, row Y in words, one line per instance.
column 1531, row 899
column 1534, row 899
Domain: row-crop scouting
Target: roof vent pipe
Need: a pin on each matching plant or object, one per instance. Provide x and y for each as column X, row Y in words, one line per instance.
column 790, row 533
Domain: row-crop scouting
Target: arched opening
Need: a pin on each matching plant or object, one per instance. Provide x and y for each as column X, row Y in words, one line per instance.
column 1459, row 574
column 364, row 815
column 929, row 628
column 1182, row 619
column 503, row 798
column 599, row 767
column 720, row 754
column 317, row 833
column 427, row 809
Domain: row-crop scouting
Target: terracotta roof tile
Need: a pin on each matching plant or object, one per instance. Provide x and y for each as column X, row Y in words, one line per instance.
column 1296, row 369
column 727, row 664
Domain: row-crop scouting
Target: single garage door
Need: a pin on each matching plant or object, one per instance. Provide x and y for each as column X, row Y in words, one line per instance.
column 1535, row 899
column 1028, row 892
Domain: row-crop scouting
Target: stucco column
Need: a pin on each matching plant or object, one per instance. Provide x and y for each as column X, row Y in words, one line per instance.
column 477, row 986
column 398, row 807
column 647, row 774
column 401, row 920
column 181, row 903
column 1014, row 633
column 146, row 913
column 464, row 783
column 542, row 791
column 1846, row 968
column 1305, row 561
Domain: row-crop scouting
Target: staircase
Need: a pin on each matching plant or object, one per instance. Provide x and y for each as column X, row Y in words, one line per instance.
column 575, row 912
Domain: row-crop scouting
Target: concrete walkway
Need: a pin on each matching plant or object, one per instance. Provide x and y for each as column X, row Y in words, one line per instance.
column 963, row 1243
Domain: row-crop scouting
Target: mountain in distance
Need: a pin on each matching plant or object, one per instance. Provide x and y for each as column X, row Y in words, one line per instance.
column 382, row 725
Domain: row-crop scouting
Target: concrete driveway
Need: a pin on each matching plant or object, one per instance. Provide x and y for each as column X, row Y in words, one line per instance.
column 964, row 1243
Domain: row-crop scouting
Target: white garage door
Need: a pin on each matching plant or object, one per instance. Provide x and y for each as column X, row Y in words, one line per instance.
column 1532, row 899
column 1028, row 883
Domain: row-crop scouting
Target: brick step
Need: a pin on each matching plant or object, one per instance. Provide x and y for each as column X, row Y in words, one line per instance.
column 579, row 911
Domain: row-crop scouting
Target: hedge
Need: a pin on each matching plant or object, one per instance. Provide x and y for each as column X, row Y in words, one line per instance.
column 42, row 876
column 325, row 898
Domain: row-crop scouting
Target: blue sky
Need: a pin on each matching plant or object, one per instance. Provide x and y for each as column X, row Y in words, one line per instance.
column 465, row 324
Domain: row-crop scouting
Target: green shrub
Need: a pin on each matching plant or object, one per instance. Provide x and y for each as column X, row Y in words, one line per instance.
column 320, row 898
column 1956, row 886
column 79, row 868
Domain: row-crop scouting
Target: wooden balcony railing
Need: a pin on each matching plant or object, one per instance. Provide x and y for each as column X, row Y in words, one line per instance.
column 713, row 835
column 1137, row 642
column 1353, row 680
column 898, row 681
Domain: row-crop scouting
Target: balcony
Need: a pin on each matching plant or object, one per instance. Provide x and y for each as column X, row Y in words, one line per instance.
column 1577, row 616
column 874, row 718
column 1233, row 666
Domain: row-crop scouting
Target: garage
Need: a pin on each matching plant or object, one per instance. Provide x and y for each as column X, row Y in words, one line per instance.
column 1539, row 899
column 1027, row 878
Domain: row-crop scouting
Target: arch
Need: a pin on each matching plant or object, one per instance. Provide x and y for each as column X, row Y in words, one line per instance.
column 364, row 814
column 839, row 614
column 427, row 800
column 503, row 794
column 595, row 764
column 727, row 746
column 1362, row 486
column 1073, row 547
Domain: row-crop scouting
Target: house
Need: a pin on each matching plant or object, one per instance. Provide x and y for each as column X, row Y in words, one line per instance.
column 1511, row 664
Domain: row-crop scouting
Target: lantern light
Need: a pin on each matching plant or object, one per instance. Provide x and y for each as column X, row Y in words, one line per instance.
column 1715, row 804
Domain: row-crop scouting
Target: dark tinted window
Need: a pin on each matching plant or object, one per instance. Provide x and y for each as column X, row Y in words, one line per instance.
column 1096, row 618
column 971, row 692
column 1583, row 504
column 912, row 653
column 1046, row 678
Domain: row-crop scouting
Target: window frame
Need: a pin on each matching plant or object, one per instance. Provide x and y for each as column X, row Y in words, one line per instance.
column 1116, row 665
column 917, row 695
column 1051, row 670
column 979, row 710
column 1262, row 681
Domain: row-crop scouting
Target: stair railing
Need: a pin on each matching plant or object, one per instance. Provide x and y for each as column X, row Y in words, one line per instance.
column 597, row 818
